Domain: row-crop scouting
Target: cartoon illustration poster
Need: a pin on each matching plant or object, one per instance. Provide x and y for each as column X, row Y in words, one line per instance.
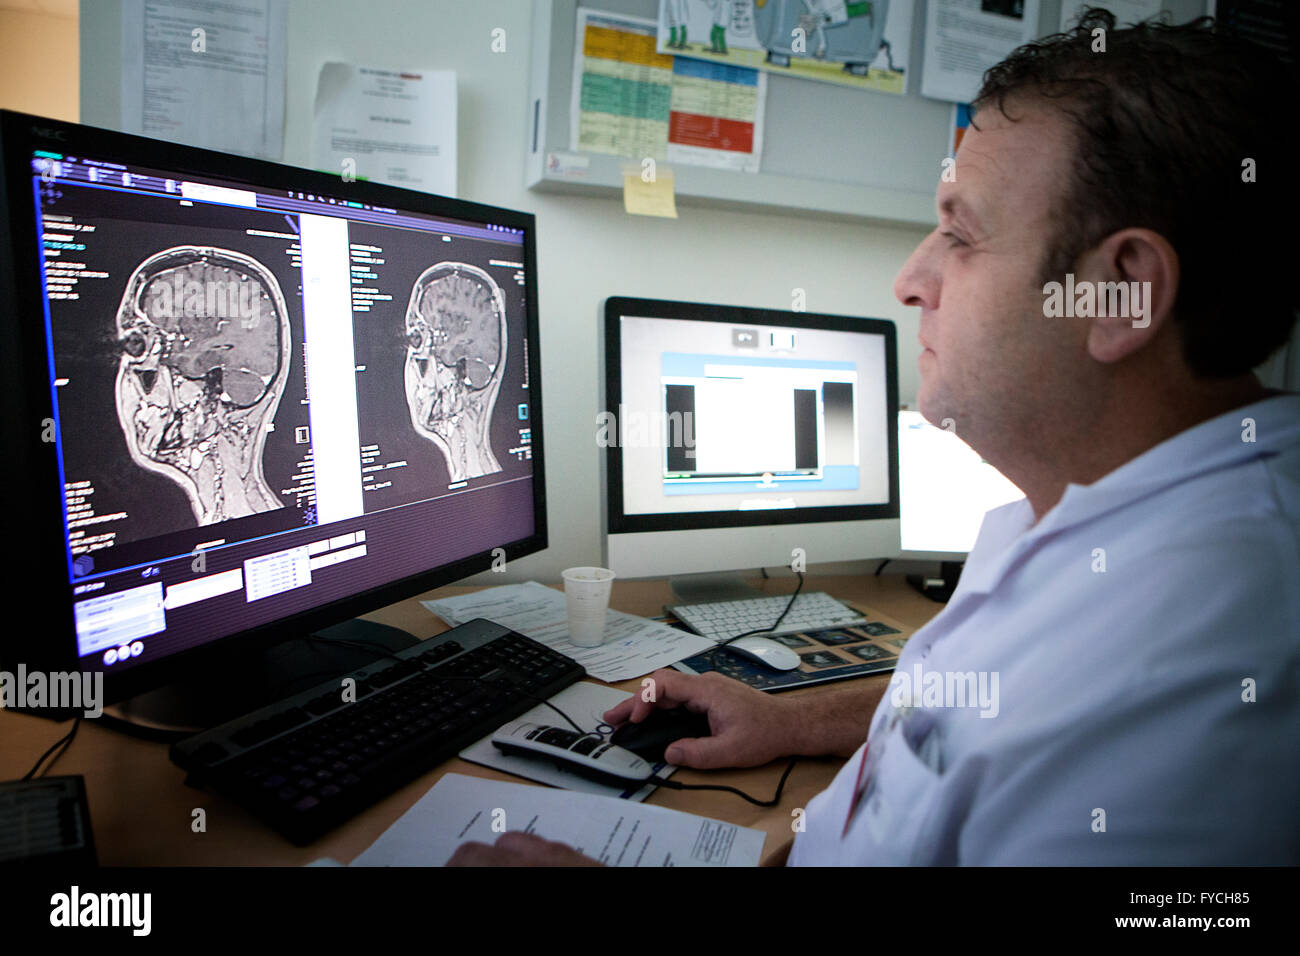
column 859, row 43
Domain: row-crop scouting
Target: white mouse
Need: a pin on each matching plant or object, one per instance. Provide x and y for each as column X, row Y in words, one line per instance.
column 765, row 651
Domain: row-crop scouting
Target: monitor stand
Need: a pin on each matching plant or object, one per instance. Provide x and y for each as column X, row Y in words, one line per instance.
column 242, row 683
column 938, row 589
column 713, row 586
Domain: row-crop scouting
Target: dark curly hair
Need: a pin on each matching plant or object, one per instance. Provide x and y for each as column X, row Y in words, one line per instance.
column 1163, row 122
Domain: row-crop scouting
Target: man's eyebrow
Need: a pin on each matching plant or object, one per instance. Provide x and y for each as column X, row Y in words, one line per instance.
column 957, row 208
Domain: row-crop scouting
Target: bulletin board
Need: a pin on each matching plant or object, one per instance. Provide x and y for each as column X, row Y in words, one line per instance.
column 829, row 151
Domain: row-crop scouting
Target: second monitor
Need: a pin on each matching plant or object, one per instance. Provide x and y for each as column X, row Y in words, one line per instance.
column 740, row 438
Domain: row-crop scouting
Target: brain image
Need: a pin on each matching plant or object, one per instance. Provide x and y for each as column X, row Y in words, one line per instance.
column 456, row 339
column 204, row 354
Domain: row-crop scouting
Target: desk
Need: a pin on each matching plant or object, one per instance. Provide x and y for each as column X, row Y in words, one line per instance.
column 141, row 810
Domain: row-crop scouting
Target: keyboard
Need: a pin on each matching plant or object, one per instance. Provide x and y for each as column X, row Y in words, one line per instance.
column 309, row 762
column 720, row 620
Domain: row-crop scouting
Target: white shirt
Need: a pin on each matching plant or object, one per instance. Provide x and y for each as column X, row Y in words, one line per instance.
column 1124, row 732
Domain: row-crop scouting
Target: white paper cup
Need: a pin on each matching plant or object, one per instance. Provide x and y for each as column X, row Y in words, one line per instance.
column 586, row 591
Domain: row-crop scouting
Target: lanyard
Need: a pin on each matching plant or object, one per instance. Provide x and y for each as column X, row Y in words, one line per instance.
column 870, row 758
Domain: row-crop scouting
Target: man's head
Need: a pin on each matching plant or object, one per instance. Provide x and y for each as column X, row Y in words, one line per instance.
column 1154, row 154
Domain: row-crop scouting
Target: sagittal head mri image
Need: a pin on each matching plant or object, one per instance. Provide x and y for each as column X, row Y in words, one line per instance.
column 456, row 344
column 204, row 356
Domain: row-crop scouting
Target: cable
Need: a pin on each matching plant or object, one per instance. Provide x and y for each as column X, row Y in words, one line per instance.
column 659, row 781
column 65, row 740
column 765, row 630
column 780, row 787
column 881, row 566
column 889, row 55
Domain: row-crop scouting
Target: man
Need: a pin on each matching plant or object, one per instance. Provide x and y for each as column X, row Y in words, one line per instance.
column 1139, row 612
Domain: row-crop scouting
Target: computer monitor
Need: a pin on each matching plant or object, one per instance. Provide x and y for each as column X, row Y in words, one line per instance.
column 947, row 489
column 739, row 438
column 245, row 402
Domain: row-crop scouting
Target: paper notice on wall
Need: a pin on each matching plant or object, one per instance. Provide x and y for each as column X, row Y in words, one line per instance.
column 387, row 126
column 1126, row 11
column 963, row 38
column 206, row 73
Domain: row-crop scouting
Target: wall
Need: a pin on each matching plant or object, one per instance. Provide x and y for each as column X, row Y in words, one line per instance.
column 38, row 64
column 587, row 248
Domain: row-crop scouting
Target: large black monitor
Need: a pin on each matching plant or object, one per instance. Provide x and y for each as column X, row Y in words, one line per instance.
column 244, row 402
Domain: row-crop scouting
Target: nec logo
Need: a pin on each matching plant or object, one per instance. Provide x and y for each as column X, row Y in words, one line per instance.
column 47, row 133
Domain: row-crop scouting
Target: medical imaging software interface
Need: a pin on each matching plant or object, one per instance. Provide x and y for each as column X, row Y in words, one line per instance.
column 719, row 416
column 268, row 400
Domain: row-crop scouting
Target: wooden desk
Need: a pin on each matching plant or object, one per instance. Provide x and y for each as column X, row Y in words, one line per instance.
column 141, row 809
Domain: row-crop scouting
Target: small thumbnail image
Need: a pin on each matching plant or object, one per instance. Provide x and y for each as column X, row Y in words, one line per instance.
column 878, row 629
column 791, row 640
column 869, row 652
column 896, row 645
column 837, row 637
column 821, row 659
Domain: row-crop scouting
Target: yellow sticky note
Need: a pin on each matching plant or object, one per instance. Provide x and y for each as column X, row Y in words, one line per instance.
column 655, row 198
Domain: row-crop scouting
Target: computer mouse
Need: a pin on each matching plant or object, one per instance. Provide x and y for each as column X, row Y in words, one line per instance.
column 765, row 651
column 650, row 738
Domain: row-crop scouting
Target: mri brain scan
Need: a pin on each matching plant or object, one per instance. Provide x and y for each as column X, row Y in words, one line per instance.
column 204, row 339
column 456, row 346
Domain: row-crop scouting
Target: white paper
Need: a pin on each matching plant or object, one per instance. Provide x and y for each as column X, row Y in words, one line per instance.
column 634, row 646
column 1126, row 11
column 387, row 126
column 962, row 41
column 206, row 73
column 585, row 703
column 460, row 809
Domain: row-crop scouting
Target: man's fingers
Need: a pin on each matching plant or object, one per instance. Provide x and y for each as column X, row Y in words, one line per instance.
column 700, row 753
column 471, row 854
column 669, row 689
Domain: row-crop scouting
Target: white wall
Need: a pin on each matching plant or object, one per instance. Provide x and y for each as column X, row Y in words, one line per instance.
column 587, row 248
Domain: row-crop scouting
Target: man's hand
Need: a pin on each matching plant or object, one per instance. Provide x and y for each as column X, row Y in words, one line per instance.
column 748, row 728
column 517, row 848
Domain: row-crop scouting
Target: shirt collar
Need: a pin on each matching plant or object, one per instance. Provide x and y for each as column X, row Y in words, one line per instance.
column 1214, row 444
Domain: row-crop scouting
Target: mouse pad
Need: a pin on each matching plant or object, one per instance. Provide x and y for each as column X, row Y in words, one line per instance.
column 832, row 654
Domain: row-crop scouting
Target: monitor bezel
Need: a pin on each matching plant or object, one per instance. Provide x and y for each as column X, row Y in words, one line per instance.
column 31, row 472
column 619, row 522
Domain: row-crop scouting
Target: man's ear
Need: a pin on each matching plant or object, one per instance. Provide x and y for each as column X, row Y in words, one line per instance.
column 1143, row 271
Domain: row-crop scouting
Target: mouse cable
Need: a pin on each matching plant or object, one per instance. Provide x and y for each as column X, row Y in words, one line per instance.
column 765, row 630
column 670, row 784
column 65, row 741
column 780, row 787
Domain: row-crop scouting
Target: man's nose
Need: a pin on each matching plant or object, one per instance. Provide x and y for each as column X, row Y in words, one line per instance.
column 917, row 283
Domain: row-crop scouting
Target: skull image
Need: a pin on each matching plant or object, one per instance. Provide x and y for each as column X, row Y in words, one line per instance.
column 456, row 345
column 204, row 337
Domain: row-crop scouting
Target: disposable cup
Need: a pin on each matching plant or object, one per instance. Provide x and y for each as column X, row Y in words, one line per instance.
column 586, row 591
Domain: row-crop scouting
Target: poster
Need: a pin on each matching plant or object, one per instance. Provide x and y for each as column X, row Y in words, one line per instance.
column 858, row 43
column 629, row 100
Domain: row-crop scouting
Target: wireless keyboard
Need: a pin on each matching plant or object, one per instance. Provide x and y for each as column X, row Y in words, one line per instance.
column 311, row 761
column 722, row 620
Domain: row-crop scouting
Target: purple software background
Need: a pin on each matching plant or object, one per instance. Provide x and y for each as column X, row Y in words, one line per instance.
column 399, row 543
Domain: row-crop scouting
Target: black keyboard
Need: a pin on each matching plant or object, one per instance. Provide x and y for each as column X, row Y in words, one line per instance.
column 311, row 761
